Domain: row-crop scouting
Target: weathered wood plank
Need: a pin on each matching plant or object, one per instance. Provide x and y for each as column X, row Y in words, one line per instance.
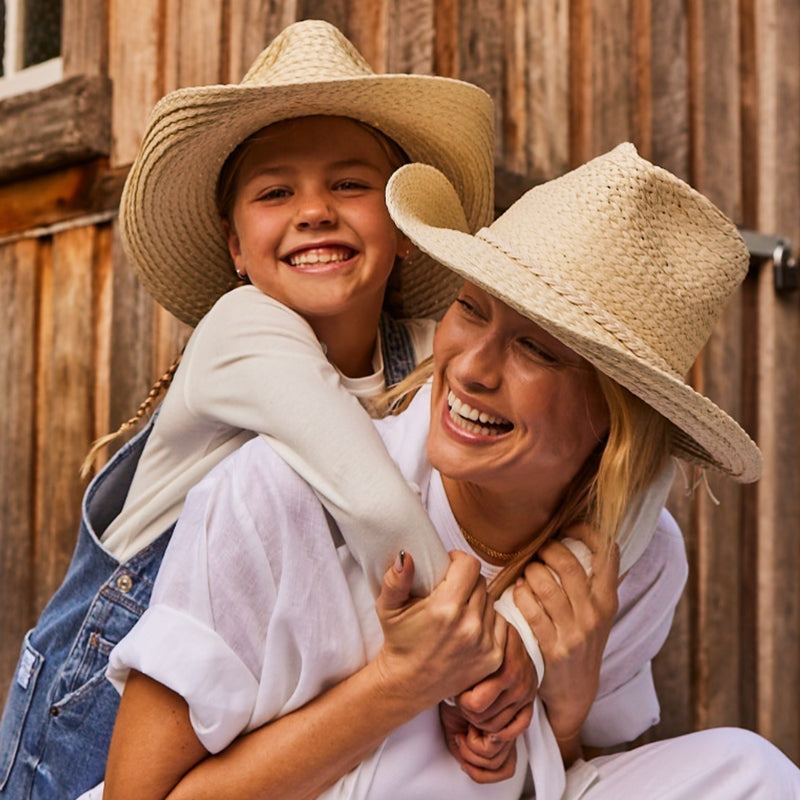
column 18, row 276
column 252, row 25
column 55, row 197
column 669, row 86
column 136, row 69
column 194, row 44
column 410, row 45
column 64, row 403
column 777, row 78
column 84, row 37
column 334, row 11
column 612, row 76
column 546, row 100
column 368, row 30
column 480, row 34
column 54, row 127
column 716, row 172
column 132, row 340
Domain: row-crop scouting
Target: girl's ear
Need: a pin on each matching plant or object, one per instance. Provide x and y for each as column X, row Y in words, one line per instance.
column 234, row 248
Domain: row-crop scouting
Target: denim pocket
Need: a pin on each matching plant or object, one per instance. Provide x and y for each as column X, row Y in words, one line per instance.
column 20, row 697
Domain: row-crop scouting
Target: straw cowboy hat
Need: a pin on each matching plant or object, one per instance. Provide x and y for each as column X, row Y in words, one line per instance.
column 169, row 220
column 620, row 260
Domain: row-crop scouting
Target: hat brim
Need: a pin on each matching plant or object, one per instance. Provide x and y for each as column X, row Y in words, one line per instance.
column 170, row 225
column 703, row 433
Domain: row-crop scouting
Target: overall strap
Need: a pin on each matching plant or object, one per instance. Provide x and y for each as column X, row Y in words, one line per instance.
column 398, row 352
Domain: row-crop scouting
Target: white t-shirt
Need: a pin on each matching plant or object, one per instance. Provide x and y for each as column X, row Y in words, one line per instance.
column 253, row 365
column 227, row 651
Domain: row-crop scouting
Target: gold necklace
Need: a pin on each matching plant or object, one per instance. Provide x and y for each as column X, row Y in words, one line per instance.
column 477, row 544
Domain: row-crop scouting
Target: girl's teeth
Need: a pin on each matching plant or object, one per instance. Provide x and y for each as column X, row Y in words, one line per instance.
column 301, row 259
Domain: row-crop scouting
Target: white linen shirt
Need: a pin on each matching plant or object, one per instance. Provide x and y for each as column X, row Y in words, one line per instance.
column 256, row 611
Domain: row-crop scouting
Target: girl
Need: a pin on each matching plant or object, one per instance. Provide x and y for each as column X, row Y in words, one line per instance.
column 255, row 211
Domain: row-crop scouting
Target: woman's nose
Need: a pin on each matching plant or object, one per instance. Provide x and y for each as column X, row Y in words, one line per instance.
column 479, row 364
column 315, row 210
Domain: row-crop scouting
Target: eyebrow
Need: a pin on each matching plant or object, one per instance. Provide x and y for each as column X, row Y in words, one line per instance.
column 267, row 169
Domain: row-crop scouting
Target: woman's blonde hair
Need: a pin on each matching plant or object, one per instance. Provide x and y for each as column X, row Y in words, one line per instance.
column 626, row 463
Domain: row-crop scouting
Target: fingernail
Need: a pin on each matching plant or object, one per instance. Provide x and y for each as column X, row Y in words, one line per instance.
column 399, row 561
column 494, row 738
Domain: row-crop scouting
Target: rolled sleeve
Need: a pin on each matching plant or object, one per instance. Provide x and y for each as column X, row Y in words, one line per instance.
column 198, row 665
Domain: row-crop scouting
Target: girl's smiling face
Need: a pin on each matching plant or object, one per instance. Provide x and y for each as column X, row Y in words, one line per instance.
column 512, row 408
column 309, row 224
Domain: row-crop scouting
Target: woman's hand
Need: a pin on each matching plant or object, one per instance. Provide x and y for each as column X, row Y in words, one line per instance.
column 438, row 646
column 482, row 727
column 571, row 615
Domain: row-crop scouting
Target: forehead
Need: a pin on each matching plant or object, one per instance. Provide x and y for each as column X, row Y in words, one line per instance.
column 317, row 140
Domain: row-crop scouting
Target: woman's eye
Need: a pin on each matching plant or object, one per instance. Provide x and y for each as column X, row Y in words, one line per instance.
column 467, row 306
column 534, row 349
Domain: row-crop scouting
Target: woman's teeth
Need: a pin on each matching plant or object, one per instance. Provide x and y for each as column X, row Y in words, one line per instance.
column 474, row 421
column 319, row 257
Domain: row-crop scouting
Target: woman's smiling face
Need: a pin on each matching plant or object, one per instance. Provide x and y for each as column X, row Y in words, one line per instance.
column 512, row 408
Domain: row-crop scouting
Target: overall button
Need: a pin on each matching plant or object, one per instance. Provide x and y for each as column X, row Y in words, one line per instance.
column 124, row 583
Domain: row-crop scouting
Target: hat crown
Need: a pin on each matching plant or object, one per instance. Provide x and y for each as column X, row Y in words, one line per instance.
column 655, row 260
column 307, row 52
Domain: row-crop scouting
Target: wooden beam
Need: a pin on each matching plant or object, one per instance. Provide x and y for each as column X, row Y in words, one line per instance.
column 55, row 127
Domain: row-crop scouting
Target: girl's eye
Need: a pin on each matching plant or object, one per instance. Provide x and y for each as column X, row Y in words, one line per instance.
column 350, row 185
column 278, row 193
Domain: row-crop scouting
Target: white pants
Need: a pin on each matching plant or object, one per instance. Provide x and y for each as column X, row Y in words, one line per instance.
column 723, row 763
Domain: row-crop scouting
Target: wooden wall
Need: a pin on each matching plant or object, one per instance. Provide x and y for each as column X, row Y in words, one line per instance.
column 707, row 88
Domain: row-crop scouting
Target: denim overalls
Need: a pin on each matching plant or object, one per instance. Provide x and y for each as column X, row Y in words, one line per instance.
column 60, row 711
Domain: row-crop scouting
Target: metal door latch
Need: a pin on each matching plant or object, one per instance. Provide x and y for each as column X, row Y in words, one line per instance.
column 777, row 249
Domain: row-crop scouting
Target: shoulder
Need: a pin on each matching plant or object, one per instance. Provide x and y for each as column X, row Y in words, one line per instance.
column 663, row 567
column 405, row 436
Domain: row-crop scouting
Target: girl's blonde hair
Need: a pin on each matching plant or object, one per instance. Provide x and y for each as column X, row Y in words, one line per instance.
column 145, row 409
column 626, row 463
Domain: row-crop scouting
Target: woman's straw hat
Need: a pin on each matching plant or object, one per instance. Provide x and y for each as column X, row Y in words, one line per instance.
column 169, row 220
column 621, row 261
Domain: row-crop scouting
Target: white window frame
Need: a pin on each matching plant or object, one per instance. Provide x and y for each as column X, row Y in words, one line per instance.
column 15, row 79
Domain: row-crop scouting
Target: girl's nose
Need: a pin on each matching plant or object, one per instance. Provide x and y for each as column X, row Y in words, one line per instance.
column 315, row 210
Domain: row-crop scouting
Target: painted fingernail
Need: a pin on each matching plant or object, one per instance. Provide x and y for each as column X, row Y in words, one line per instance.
column 399, row 561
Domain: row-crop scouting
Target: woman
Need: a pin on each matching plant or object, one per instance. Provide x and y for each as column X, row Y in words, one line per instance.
column 533, row 425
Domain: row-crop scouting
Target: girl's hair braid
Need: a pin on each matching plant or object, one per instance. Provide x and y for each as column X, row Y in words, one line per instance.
column 145, row 407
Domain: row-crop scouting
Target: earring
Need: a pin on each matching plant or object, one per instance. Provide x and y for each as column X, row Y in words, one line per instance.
column 241, row 275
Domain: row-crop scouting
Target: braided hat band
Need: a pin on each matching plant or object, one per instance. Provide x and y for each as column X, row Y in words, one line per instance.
column 620, row 260
column 169, row 221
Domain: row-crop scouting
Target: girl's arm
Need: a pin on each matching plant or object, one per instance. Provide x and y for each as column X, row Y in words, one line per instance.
column 433, row 648
column 256, row 365
column 571, row 615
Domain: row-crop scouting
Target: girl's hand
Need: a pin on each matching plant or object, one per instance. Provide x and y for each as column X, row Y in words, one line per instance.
column 485, row 757
column 482, row 727
column 438, row 646
column 571, row 617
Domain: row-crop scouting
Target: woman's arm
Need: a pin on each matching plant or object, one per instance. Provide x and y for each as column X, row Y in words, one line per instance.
column 433, row 648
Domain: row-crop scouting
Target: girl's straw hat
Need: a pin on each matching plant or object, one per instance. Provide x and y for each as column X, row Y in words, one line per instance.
column 169, row 221
column 620, row 260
